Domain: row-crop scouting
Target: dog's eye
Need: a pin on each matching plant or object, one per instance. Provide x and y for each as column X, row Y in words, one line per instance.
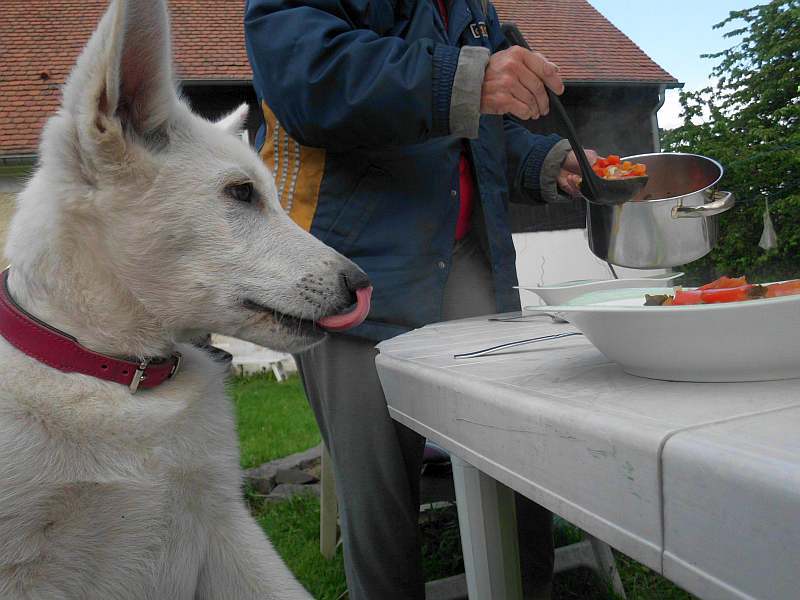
column 243, row 192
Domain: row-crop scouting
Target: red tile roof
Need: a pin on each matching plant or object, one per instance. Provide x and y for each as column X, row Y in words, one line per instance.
column 40, row 40
column 587, row 47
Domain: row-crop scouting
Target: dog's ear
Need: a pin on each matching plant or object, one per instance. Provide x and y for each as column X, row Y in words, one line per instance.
column 235, row 121
column 122, row 85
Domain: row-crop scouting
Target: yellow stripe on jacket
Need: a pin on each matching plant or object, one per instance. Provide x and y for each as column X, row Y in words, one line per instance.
column 297, row 170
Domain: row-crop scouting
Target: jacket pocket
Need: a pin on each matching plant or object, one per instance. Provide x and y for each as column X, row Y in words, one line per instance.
column 357, row 210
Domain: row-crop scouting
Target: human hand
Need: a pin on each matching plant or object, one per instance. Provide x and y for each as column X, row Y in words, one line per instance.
column 569, row 177
column 515, row 81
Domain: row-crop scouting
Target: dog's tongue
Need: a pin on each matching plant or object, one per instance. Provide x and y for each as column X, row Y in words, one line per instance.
column 351, row 318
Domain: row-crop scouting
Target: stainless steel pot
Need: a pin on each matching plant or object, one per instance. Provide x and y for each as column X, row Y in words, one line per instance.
column 671, row 222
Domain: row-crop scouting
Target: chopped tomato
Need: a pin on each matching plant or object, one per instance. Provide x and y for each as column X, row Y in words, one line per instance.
column 787, row 288
column 611, row 167
column 638, row 170
column 726, row 289
column 724, row 282
column 731, row 294
column 685, row 297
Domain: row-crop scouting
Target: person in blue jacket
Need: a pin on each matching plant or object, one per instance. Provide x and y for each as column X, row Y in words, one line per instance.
column 392, row 129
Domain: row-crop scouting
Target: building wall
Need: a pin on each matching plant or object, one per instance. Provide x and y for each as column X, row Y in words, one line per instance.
column 6, row 210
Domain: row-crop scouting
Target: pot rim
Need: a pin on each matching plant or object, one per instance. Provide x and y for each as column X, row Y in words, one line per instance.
column 654, row 200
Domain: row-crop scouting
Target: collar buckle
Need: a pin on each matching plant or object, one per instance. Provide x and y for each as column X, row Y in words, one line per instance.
column 177, row 358
column 139, row 376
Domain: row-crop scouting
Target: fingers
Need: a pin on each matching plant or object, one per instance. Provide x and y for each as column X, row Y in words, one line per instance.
column 498, row 99
column 569, row 183
column 514, row 82
column 546, row 71
column 536, row 92
column 532, row 89
column 571, row 161
column 521, row 110
column 521, row 90
column 536, row 74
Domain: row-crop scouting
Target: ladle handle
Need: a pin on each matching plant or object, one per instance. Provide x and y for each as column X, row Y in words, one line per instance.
column 514, row 36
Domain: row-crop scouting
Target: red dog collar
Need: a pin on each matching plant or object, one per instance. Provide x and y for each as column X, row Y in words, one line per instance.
column 63, row 352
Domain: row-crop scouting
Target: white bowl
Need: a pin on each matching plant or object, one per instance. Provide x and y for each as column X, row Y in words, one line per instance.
column 562, row 293
column 755, row 340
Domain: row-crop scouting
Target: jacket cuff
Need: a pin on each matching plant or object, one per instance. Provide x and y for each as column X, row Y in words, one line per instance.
column 465, row 101
column 445, row 63
column 542, row 168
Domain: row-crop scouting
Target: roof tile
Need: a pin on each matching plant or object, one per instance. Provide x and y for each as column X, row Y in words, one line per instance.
column 39, row 44
column 581, row 41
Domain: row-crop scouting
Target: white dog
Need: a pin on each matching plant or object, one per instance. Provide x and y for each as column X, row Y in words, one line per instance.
column 143, row 226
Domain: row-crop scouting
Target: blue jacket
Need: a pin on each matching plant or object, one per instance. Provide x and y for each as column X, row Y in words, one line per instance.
column 363, row 134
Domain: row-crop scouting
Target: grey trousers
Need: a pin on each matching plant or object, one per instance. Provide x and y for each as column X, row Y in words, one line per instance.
column 377, row 461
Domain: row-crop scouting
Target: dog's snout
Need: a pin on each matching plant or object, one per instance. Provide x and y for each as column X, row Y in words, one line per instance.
column 354, row 279
column 356, row 286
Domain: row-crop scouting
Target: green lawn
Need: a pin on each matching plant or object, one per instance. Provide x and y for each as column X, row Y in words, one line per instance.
column 293, row 527
column 275, row 420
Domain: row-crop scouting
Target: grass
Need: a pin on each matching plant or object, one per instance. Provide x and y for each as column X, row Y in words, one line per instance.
column 275, row 420
column 293, row 528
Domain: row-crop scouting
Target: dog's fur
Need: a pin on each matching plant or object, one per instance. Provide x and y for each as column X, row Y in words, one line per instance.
column 130, row 238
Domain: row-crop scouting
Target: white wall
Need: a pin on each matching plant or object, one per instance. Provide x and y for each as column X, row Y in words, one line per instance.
column 550, row 257
column 7, row 207
column 11, row 184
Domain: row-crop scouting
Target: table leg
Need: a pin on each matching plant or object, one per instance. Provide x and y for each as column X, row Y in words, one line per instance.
column 328, row 508
column 488, row 525
column 606, row 564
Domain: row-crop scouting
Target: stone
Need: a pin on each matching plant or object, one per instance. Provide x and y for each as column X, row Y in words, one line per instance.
column 301, row 460
column 264, row 478
column 294, row 476
column 262, row 485
column 265, row 471
column 315, row 470
column 285, row 491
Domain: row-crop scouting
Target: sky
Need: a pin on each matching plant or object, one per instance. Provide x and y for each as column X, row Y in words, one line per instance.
column 675, row 34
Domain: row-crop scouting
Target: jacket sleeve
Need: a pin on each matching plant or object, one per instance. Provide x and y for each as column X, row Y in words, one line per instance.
column 334, row 82
column 534, row 161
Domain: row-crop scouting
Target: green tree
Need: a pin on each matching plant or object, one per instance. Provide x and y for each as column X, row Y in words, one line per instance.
column 753, row 129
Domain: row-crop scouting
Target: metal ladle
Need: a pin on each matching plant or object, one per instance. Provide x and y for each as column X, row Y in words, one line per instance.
column 594, row 189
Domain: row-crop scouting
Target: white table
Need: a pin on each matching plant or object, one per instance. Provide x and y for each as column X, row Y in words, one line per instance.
column 700, row 482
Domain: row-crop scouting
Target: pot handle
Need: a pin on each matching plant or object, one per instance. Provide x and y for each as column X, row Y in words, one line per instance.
column 720, row 202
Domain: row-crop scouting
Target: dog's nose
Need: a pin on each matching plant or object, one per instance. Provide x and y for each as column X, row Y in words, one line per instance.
column 354, row 279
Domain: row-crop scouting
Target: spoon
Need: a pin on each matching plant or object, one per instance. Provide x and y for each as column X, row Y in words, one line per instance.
column 594, row 189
